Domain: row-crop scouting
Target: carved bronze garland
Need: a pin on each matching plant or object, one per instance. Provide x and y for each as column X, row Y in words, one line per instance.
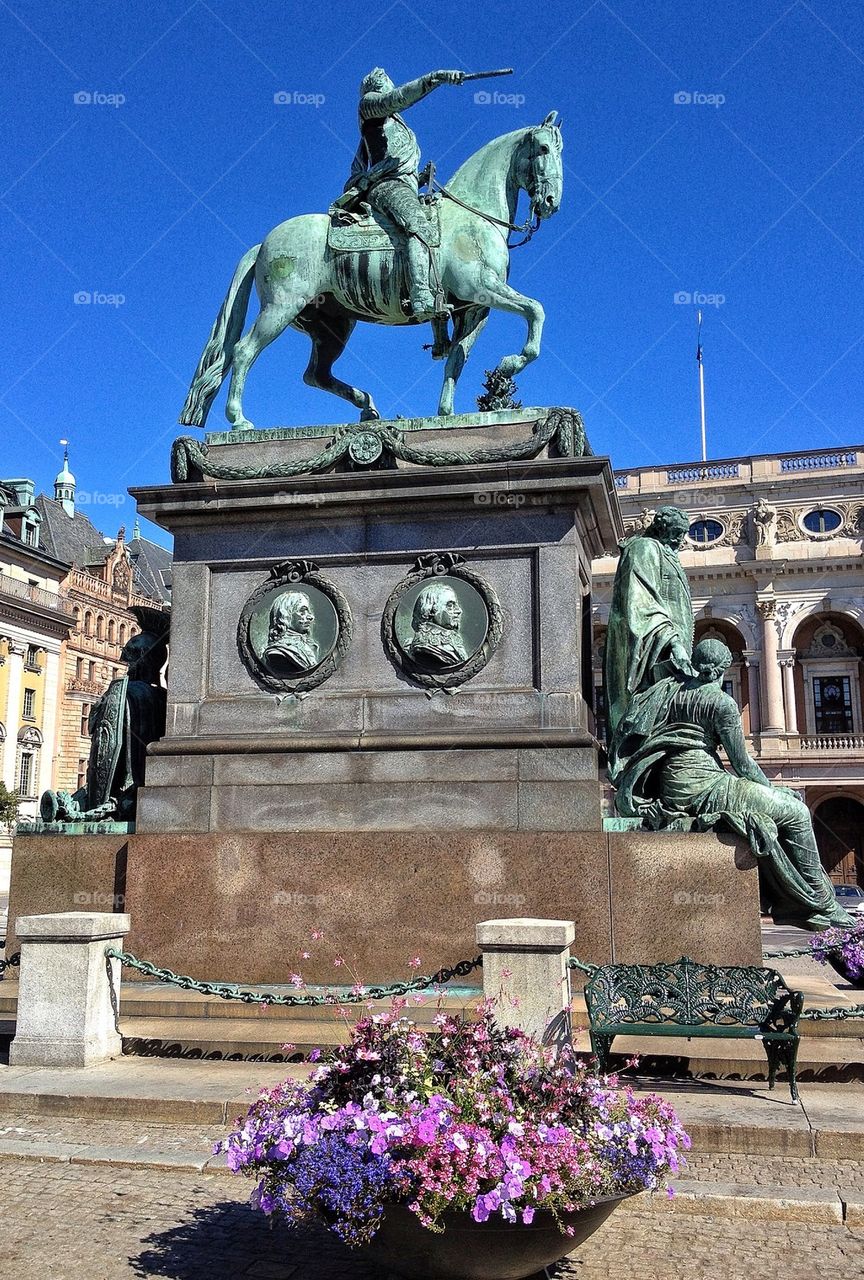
column 377, row 443
column 442, row 623
column 295, row 629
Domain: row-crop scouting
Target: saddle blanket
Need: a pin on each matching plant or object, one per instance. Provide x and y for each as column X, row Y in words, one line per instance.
column 372, row 232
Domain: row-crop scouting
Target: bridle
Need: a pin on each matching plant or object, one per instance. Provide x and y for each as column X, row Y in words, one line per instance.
column 526, row 229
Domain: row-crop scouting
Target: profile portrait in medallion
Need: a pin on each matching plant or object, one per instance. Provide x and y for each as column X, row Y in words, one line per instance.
column 437, row 623
column 295, row 629
column 291, row 644
column 442, row 622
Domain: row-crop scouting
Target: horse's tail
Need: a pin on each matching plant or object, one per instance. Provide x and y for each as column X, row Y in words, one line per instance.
column 217, row 355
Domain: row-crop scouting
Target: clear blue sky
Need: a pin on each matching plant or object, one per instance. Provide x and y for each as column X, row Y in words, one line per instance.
column 755, row 200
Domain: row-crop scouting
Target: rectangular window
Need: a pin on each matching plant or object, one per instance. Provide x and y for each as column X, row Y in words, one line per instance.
column 25, row 774
column 729, row 687
column 85, row 716
column 832, row 702
column 600, row 712
column 82, row 774
column 29, row 704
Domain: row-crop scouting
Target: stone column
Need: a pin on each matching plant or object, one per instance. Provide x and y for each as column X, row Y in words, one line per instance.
column 16, row 674
column 773, row 720
column 786, row 658
column 50, row 713
column 65, row 1009
column 751, row 662
column 526, row 974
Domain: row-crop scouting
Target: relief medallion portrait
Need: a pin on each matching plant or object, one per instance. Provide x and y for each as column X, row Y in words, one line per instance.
column 442, row 623
column 294, row 629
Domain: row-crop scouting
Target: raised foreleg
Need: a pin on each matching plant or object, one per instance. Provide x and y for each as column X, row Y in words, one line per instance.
column 500, row 297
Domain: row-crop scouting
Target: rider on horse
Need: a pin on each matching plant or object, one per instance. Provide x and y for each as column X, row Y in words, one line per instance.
column 384, row 171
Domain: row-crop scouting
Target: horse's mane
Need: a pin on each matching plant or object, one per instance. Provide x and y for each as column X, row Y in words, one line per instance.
column 465, row 177
column 494, row 153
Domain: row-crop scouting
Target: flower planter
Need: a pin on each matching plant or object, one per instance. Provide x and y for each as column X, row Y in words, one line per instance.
column 469, row 1250
column 841, row 966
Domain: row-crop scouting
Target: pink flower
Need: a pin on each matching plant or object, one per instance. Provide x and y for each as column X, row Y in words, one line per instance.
column 317, row 934
column 338, row 962
column 415, row 963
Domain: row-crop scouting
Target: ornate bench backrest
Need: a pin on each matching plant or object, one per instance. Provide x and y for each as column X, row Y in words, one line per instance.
column 691, row 994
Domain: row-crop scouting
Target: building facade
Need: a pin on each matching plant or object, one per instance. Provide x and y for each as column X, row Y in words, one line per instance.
column 774, row 560
column 66, row 598
column 107, row 577
column 35, row 619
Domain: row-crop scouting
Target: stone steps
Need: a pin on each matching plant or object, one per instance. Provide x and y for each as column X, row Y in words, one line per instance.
column 756, row 1156
column 162, row 1021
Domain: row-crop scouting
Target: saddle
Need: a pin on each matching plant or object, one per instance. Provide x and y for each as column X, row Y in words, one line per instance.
column 362, row 230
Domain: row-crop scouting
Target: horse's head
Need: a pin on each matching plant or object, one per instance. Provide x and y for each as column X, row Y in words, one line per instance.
column 538, row 166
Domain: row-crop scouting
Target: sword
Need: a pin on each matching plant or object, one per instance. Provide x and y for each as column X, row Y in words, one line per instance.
column 485, row 75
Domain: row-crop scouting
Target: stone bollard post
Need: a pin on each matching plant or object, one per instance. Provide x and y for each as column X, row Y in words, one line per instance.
column 65, row 1011
column 525, row 972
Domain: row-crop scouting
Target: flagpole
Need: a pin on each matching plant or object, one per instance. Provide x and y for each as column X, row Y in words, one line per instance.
column 701, row 382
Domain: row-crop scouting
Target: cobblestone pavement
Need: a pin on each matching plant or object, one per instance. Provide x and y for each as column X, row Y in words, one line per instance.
column 196, row 1141
column 138, row 1137
column 65, row 1222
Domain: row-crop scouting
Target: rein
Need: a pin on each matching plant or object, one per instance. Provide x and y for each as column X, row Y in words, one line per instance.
column 531, row 226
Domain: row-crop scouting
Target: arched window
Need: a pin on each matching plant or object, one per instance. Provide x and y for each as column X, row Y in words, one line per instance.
column 122, row 636
column 112, row 631
column 100, row 627
column 27, row 772
column 88, row 623
column 77, row 615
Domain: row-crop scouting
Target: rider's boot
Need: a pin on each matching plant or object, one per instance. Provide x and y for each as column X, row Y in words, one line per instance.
column 421, row 298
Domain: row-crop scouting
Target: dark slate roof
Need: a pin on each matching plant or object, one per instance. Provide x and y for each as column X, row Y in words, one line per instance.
column 74, row 539
column 151, row 565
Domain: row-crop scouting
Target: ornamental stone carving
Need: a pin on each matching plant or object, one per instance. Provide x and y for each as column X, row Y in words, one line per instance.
column 763, row 520
column 442, row 623
column 294, row 630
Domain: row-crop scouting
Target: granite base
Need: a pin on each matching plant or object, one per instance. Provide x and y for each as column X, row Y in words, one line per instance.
column 241, row 907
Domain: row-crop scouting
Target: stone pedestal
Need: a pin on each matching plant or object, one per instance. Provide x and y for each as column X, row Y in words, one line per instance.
column 356, row 798
column 241, row 906
column 371, row 747
column 526, row 974
column 65, row 1010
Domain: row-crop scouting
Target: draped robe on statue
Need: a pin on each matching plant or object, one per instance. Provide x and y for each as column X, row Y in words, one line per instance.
column 667, row 770
column 651, row 609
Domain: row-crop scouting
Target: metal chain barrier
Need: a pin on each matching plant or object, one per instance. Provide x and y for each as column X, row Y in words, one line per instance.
column 229, row 991
column 840, row 1012
column 786, row 953
column 13, row 962
column 573, row 963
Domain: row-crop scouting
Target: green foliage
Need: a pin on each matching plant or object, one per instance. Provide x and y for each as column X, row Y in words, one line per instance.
column 499, row 392
column 9, row 803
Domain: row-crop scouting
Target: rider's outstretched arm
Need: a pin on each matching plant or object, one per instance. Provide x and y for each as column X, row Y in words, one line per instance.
column 374, row 106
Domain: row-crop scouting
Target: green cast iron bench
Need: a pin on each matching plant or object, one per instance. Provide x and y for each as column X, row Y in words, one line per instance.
column 691, row 1000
